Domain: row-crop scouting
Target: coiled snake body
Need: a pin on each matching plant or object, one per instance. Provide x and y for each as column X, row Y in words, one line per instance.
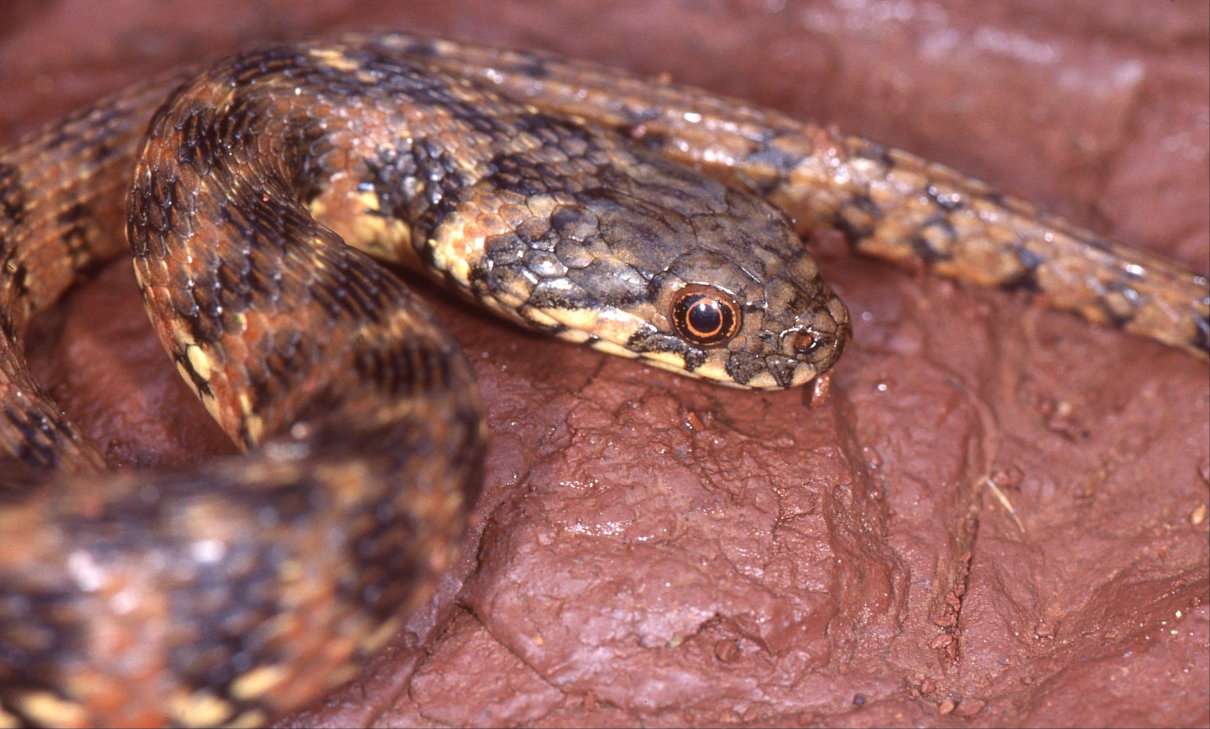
column 561, row 195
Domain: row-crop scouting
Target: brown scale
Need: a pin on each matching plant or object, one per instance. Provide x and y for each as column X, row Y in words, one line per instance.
column 207, row 597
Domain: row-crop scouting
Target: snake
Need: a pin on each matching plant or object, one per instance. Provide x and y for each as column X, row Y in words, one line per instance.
column 274, row 205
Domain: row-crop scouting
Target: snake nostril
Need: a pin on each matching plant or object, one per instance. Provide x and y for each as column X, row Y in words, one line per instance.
column 805, row 342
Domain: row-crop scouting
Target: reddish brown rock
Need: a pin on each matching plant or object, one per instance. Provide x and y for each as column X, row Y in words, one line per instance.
column 994, row 502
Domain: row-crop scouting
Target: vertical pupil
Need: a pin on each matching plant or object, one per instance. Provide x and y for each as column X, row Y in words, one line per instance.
column 705, row 318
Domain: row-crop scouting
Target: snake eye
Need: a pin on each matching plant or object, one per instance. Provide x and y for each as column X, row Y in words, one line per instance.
column 705, row 315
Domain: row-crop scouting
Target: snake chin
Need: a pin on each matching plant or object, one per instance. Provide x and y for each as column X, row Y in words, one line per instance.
column 782, row 340
column 772, row 351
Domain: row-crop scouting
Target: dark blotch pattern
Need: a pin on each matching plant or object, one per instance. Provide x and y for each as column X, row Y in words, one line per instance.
column 1201, row 334
column 1027, row 279
column 37, row 627
column 12, row 198
column 418, row 183
column 857, row 217
column 935, row 239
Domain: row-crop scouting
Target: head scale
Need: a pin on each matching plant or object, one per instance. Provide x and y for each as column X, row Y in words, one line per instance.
column 651, row 260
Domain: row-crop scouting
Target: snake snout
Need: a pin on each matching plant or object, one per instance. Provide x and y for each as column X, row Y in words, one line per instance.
column 818, row 335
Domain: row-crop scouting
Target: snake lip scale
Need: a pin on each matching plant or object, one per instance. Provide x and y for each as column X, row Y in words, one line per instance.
column 257, row 196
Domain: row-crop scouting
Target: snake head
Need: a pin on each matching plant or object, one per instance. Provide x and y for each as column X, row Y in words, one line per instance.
column 767, row 325
column 647, row 259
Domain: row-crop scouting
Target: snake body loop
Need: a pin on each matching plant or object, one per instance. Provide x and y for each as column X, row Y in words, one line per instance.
column 265, row 187
column 257, row 194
